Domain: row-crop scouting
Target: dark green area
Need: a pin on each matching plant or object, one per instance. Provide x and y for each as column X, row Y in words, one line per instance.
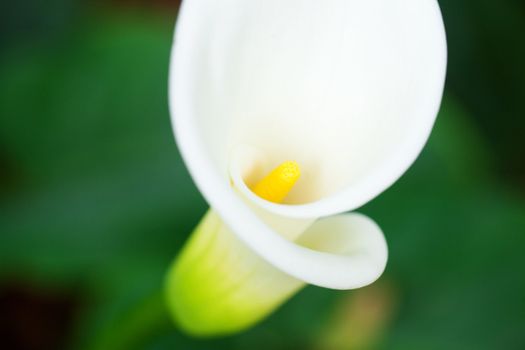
column 95, row 200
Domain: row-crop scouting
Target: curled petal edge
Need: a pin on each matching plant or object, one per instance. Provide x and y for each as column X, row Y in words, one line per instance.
column 220, row 286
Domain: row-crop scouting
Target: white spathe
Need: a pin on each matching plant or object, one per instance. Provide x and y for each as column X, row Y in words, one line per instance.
column 347, row 88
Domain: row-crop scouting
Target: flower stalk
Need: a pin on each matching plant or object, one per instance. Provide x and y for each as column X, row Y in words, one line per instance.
column 218, row 286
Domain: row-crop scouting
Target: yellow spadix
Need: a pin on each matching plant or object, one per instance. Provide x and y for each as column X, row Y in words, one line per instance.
column 278, row 183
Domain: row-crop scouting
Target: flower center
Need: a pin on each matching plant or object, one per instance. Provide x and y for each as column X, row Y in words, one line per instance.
column 278, row 183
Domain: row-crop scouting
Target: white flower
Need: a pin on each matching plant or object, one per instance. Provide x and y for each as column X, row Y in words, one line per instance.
column 349, row 89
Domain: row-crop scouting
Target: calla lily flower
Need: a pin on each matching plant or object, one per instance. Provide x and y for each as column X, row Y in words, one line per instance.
column 347, row 89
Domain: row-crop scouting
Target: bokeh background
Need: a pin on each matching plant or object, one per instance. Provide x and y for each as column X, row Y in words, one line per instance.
column 95, row 201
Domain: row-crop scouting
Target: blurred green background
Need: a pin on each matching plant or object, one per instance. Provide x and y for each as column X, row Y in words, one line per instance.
column 95, row 200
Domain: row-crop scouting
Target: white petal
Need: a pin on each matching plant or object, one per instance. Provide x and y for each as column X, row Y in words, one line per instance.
column 349, row 89
column 354, row 241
